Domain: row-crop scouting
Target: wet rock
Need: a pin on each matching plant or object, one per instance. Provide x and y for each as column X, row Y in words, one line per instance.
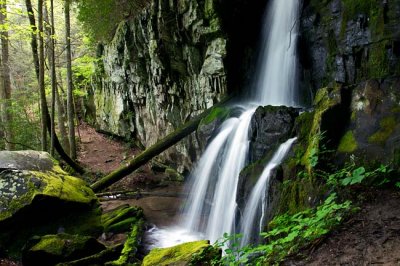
column 270, row 126
column 348, row 41
column 53, row 249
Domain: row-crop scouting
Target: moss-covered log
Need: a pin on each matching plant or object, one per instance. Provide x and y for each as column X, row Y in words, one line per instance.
column 151, row 152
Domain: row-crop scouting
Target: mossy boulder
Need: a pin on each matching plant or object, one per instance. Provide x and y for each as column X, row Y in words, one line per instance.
column 53, row 249
column 43, row 202
column 192, row 253
column 121, row 219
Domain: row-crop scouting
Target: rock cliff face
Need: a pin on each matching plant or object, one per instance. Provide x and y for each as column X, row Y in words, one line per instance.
column 355, row 44
column 161, row 69
column 348, row 41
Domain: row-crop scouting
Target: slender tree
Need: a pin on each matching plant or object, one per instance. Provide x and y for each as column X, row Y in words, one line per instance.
column 70, row 104
column 61, row 121
column 6, row 79
column 34, row 41
column 50, row 30
column 42, row 92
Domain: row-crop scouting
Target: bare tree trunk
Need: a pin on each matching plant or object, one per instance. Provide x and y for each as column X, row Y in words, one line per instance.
column 61, row 122
column 42, row 92
column 50, row 30
column 34, row 42
column 70, row 104
column 6, row 80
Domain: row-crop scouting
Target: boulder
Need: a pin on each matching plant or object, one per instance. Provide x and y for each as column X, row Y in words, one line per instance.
column 270, row 126
column 48, row 201
column 53, row 249
column 192, row 253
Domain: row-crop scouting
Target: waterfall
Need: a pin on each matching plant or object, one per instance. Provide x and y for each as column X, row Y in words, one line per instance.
column 275, row 85
column 211, row 207
column 196, row 203
column 276, row 76
column 258, row 195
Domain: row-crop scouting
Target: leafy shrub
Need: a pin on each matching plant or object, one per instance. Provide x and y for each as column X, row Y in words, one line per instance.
column 287, row 234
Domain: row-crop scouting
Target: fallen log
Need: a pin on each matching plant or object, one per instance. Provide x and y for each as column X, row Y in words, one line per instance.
column 106, row 196
column 152, row 151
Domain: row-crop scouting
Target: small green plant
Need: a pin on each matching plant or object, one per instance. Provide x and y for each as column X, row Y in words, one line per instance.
column 351, row 175
column 288, row 234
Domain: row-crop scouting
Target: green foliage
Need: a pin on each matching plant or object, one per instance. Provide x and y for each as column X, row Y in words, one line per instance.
column 101, row 17
column 287, row 234
column 351, row 175
column 82, row 71
column 25, row 124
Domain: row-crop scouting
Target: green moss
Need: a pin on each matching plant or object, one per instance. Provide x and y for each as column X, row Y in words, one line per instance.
column 216, row 113
column 325, row 99
column 52, row 184
column 52, row 249
column 173, row 175
column 177, row 255
column 348, row 143
column 128, row 254
column 387, row 126
column 121, row 219
column 296, row 194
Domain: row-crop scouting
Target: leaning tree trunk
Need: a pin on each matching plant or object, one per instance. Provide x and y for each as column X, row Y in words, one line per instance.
column 6, row 81
column 152, row 151
column 70, row 104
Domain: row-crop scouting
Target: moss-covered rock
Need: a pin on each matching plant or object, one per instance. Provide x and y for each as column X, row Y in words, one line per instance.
column 348, row 143
column 192, row 253
column 372, row 134
column 53, row 249
column 131, row 245
column 121, row 219
column 44, row 202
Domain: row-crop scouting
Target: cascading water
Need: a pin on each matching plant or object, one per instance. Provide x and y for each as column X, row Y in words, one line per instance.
column 258, row 195
column 276, row 77
column 213, row 191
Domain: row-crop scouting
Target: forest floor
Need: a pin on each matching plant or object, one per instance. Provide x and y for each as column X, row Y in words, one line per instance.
column 103, row 154
column 370, row 237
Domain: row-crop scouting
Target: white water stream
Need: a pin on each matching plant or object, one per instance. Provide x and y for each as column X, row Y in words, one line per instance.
column 258, row 195
column 211, row 207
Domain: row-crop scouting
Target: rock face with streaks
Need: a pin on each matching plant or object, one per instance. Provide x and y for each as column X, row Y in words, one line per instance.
column 162, row 68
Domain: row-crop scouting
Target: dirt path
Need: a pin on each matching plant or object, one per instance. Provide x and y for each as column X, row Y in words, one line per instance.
column 371, row 237
column 102, row 154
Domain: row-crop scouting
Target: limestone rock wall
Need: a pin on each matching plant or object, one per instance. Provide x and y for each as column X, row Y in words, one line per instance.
column 162, row 68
